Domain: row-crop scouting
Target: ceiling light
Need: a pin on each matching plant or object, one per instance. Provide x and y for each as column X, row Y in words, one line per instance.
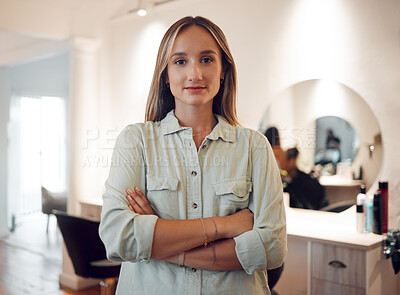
column 142, row 12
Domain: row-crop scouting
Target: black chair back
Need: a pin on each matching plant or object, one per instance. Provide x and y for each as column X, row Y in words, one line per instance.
column 84, row 246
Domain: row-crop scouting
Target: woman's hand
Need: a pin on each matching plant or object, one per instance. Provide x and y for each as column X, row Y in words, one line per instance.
column 238, row 223
column 138, row 203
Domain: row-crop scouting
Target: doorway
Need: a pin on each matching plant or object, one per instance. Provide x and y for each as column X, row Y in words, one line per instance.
column 36, row 153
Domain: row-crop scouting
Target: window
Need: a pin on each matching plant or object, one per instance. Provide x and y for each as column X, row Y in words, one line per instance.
column 37, row 151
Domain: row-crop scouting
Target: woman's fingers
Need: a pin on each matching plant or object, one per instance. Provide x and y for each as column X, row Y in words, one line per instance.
column 138, row 202
column 133, row 205
column 139, row 193
column 143, row 202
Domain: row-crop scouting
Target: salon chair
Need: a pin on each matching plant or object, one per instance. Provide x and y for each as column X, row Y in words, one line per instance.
column 87, row 251
column 273, row 277
column 52, row 201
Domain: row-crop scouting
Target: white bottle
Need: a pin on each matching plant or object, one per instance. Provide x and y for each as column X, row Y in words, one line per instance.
column 361, row 210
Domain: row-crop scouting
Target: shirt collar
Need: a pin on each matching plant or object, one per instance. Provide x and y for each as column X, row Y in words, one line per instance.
column 222, row 130
column 170, row 124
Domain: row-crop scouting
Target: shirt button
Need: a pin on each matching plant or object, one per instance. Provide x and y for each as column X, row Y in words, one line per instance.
column 193, row 269
column 194, row 173
column 204, row 146
column 194, row 206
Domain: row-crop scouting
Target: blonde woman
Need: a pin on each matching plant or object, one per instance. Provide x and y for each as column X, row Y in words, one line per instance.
column 193, row 202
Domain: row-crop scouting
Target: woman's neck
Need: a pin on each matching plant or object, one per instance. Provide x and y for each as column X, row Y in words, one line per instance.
column 201, row 120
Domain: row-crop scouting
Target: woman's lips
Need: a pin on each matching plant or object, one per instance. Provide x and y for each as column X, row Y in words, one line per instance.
column 195, row 88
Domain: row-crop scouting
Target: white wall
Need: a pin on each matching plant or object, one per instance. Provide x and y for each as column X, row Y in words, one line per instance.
column 4, row 105
column 47, row 76
column 277, row 44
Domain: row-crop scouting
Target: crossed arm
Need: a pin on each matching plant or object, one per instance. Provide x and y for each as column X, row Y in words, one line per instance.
column 172, row 237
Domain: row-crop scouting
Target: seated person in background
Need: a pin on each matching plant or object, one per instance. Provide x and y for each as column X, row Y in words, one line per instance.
column 305, row 191
column 332, row 141
column 331, row 153
column 272, row 134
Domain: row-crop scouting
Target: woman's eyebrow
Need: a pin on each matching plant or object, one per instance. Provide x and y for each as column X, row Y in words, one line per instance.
column 178, row 54
column 185, row 54
column 208, row 52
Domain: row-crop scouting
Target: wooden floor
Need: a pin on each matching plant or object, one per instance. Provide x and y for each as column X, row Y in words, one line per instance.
column 31, row 260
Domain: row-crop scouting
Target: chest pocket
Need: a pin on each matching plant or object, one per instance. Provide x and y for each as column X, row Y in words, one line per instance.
column 232, row 195
column 163, row 195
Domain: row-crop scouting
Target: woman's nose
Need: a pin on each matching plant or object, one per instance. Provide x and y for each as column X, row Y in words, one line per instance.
column 194, row 73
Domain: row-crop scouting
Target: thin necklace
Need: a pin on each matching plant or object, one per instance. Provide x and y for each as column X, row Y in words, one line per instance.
column 202, row 133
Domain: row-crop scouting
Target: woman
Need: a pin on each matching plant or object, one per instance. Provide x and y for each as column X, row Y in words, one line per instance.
column 210, row 219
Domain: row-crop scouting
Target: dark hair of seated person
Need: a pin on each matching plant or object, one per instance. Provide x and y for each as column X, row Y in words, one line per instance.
column 305, row 192
column 272, row 134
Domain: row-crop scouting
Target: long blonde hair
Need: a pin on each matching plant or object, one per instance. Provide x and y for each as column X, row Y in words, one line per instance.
column 160, row 100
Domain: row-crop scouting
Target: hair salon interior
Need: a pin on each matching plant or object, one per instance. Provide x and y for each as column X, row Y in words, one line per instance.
column 74, row 73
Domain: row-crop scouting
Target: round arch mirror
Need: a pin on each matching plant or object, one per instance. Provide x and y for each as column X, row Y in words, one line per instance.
column 295, row 112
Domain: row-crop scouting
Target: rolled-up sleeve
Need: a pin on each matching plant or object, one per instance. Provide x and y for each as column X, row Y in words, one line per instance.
column 127, row 236
column 265, row 246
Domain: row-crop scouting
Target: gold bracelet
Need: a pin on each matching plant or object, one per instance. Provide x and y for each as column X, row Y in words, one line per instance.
column 205, row 234
column 215, row 257
column 216, row 232
column 181, row 259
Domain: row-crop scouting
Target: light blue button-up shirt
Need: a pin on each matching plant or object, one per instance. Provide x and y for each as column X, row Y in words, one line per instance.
column 234, row 168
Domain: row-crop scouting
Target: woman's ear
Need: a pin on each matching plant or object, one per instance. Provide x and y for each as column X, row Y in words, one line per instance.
column 223, row 71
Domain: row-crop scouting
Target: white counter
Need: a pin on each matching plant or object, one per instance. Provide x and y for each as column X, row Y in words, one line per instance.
column 334, row 228
column 316, row 239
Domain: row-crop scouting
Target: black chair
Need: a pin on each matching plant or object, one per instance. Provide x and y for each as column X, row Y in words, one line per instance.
column 52, row 201
column 273, row 277
column 86, row 250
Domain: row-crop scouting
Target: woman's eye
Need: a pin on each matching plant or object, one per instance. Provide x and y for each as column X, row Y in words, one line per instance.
column 206, row 60
column 180, row 62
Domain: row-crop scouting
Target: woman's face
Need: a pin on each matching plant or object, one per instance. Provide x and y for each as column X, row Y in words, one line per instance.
column 194, row 68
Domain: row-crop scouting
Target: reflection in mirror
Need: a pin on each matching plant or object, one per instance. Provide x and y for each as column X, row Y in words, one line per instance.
column 295, row 113
column 335, row 141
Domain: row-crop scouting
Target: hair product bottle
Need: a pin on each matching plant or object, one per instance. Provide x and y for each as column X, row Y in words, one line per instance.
column 361, row 205
column 370, row 213
column 377, row 223
column 383, row 189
